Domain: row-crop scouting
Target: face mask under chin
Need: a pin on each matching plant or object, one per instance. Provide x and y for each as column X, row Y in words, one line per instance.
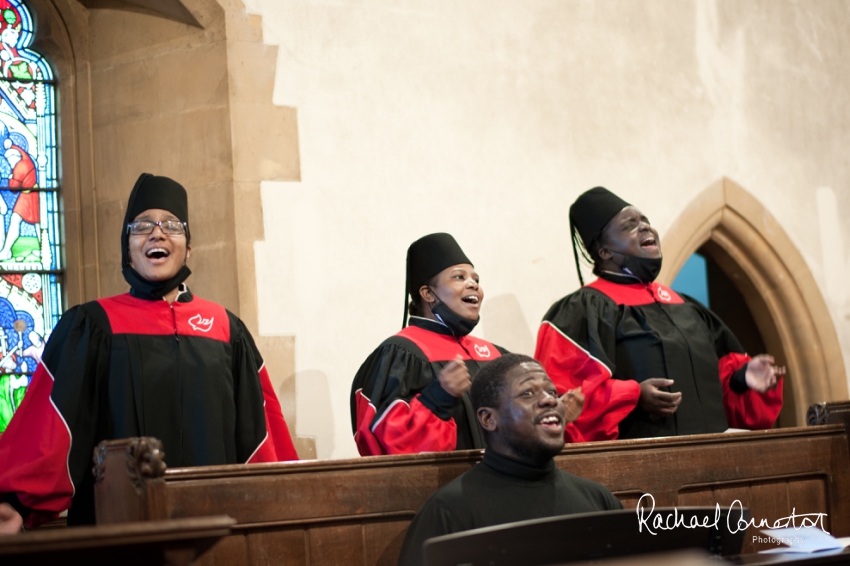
column 144, row 288
column 458, row 325
column 645, row 269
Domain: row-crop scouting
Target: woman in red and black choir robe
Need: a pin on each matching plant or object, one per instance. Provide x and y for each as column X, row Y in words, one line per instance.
column 411, row 394
column 651, row 362
column 157, row 361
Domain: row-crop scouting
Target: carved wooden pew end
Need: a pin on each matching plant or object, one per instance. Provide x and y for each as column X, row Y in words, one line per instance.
column 138, row 495
column 829, row 412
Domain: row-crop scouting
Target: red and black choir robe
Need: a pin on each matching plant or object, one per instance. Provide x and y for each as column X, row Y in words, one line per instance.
column 612, row 334
column 187, row 373
column 397, row 404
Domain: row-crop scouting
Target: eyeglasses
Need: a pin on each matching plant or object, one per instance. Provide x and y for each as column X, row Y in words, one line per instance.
column 145, row 227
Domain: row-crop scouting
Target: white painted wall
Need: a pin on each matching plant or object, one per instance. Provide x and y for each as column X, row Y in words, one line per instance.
column 486, row 118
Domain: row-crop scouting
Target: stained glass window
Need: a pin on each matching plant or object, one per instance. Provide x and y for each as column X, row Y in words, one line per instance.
column 30, row 253
column 693, row 279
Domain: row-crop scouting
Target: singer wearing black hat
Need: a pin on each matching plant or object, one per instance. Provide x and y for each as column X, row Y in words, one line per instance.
column 412, row 393
column 157, row 361
column 651, row 362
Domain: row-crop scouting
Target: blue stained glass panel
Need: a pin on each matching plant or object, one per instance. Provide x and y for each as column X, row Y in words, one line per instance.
column 30, row 232
column 693, row 279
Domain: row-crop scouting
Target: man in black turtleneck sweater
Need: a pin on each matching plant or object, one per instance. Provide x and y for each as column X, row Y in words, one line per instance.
column 522, row 417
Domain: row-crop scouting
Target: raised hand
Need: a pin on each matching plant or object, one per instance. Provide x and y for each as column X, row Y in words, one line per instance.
column 454, row 377
column 762, row 373
column 573, row 404
column 657, row 402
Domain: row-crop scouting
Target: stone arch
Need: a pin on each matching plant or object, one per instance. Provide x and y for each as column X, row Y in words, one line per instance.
column 751, row 247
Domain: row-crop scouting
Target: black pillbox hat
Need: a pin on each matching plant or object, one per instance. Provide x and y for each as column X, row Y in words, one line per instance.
column 589, row 215
column 428, row 256
column 150, row 192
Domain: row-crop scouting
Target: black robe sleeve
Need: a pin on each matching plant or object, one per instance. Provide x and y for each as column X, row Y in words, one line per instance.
column 397, row 404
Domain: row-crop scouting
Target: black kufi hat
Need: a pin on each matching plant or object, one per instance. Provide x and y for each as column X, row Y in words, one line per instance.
column 150, row 192
column 428, row 256
column 589, row 215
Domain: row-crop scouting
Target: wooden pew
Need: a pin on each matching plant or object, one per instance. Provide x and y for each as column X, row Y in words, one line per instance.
column 356, row 511
column 175, row 543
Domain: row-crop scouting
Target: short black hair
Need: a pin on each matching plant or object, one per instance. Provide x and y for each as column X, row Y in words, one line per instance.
column 416, row 308
column 490, row 380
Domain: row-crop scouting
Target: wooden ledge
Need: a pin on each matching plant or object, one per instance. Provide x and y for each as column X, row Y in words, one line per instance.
column 124, row 534
column 471, row 457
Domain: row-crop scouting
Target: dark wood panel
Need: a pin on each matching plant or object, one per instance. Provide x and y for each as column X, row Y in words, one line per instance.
column 739, row 496
column 338, row 544
column 383, row 541
column 661, row 466
column 229, row 551
column 699, row 497
column 810, row 496
column 772, row 498
column 270, row 547
column 768, row 501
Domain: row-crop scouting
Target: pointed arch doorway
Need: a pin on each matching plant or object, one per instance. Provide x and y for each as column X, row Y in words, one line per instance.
column 731, row 228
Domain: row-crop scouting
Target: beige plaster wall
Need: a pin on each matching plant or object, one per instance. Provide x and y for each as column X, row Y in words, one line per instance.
column 487, row 118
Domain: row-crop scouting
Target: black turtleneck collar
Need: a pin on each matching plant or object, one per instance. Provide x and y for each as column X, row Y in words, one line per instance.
column 620, row 278
column 184, row 295
column 430, row 325
column 510, row 467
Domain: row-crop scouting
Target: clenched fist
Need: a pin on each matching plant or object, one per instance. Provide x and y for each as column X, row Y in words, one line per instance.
column 454, row 378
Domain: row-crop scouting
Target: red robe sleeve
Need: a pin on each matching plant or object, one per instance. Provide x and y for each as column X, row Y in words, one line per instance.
column 748, row 410
column 34, row 453
column 46, row 451
column 403, row 428
column 397, row 406
column 575, row 345
column 277, row 445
